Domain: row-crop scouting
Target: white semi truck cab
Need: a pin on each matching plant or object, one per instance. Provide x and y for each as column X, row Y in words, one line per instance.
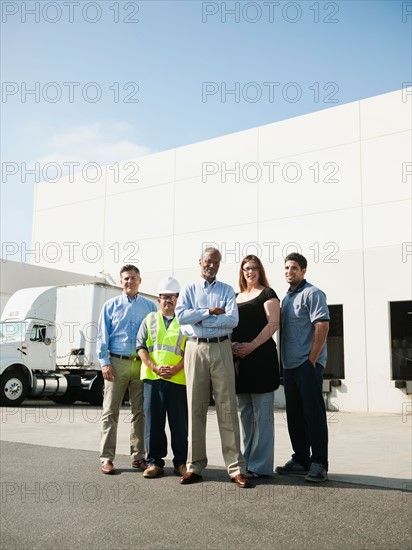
column 48, row 343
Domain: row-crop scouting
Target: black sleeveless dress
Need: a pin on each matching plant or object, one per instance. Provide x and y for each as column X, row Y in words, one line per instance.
column 259, row 371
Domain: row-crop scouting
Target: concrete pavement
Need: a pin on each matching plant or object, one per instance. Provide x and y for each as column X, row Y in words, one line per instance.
column 366, row 448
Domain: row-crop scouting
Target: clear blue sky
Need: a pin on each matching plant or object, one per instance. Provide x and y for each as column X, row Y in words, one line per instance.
column 321, row 54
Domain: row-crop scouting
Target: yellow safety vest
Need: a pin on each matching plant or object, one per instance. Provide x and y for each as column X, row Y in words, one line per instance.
column 165, row 347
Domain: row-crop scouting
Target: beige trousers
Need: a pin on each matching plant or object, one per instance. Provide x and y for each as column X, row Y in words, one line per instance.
column 127, row 376
column 204, row 363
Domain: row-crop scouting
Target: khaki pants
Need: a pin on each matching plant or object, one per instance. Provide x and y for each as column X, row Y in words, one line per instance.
column 204, row 363
column 127, row 376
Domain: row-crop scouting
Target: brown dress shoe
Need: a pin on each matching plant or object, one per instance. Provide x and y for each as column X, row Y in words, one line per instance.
column 107, row 467
column 242, row 481
column 139, row 464
column 190, row 477
column 180, row 470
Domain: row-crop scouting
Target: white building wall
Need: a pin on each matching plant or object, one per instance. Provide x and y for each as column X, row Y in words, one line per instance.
column 349, row 212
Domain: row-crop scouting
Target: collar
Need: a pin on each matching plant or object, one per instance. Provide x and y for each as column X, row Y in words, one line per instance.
column 126, row 297
column 206, row 284
column 299, row 288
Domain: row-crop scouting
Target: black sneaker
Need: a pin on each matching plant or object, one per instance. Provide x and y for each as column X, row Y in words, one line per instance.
column 317, row 473
column 292, row 468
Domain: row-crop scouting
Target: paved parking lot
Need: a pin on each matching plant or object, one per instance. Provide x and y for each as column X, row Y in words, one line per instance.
column 54, row 496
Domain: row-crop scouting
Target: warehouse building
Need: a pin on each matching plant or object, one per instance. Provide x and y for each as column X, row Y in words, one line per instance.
column 334, row 185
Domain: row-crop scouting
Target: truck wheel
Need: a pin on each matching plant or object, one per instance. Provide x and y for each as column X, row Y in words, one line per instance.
column 13, row 388
column 66, row 399
column 95, row 394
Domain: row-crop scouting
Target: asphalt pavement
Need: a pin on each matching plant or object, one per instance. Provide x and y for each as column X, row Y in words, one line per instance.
column 55, row 497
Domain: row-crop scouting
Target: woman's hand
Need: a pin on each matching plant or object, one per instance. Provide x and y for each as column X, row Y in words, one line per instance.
column 235, row 348
column 245, row 349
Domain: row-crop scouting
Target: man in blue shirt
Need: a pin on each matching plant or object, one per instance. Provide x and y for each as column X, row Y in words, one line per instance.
column 119, row 322
column 304, row 329
column 207, row 313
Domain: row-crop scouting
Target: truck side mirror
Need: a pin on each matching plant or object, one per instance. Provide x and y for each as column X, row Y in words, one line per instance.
column 47, row 341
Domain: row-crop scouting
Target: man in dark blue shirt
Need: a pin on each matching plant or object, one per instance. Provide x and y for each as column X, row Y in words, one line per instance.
column 305, row 326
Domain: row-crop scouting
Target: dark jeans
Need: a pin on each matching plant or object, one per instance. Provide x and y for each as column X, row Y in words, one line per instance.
column 161, row 397
column 306, row 414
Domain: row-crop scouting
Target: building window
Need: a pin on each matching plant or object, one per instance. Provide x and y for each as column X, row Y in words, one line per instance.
column 401, row 339
column 335, row 365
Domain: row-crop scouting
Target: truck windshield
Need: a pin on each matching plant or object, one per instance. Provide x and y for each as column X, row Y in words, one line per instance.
column 12, row 332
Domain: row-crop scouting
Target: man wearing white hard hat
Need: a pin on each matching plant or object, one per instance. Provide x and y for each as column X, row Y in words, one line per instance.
column 160, row 345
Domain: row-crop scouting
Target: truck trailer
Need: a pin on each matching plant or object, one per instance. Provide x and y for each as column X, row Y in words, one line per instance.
column 48, row 344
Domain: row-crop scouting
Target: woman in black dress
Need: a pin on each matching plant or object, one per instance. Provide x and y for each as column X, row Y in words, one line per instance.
column 256, row 365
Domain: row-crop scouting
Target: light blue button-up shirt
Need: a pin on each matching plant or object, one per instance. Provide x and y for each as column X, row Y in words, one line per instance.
column 192, row 309
column 119, row 323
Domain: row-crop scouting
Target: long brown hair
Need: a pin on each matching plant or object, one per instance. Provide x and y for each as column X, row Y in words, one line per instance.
column 262, row 275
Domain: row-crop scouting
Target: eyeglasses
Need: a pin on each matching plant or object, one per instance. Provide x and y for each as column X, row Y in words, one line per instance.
column 250, row 269
column 168, row 296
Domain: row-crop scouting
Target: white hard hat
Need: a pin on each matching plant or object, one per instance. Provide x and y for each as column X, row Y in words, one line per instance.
column 168, row 285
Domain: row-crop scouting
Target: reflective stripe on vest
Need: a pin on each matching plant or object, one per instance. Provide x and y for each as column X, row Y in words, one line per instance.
column 165, row 347
column 152, row 325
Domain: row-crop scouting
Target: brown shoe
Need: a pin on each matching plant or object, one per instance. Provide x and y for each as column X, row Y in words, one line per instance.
column 180, row 470
column 139, row 464
column 241, row 481
column 107, row 467
column 153, row 471
column 190, row 477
